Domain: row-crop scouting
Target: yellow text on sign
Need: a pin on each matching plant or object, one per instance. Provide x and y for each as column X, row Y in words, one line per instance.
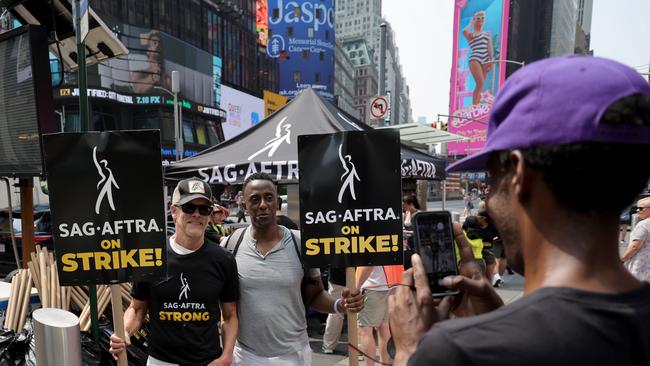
column 352, row 245
column 116, row 259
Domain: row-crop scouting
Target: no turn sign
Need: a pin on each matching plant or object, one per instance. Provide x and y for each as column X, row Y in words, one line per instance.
column 379, row 107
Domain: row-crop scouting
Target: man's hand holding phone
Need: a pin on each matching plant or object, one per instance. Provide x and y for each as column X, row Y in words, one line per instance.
column 413, row 310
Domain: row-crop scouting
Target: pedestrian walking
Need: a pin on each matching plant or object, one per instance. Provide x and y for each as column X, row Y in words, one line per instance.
column 637, row 254
column 241, row 210
column 469, row 205
column 334, row 322
column 373, row 282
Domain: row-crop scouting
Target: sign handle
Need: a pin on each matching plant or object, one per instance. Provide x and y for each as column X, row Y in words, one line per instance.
column 353, row 337
column 118, row 319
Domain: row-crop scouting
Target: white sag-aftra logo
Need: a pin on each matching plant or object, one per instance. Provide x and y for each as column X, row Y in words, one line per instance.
column 185, row 288
column 282, row 134
column 105, row 184
column 349, row 176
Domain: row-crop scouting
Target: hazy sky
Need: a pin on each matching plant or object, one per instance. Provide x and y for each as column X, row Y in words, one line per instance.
column 620, row 30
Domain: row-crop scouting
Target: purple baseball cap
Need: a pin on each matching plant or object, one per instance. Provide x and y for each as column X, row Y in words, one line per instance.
column 559, row 101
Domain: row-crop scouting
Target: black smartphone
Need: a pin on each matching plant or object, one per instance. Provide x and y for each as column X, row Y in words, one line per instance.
column 434, row 242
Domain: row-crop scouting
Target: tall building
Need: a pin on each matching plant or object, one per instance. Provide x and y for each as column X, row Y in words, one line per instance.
column 361, row 19
column 583, row 30
column 365, row 76
column 406, row 113
column 395, row 83
column 366, row 88
column 213, row 48
column 543, row 28
column 344, row 81
column 563, row 27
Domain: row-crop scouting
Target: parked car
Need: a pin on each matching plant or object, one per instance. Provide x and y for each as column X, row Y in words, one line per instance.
column 42, row 234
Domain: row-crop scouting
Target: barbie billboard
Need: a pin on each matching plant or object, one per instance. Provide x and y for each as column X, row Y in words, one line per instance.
column 478, row 69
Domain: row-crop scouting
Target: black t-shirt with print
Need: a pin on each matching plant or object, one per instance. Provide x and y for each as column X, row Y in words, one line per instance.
column 551, row 326
column 184, row 309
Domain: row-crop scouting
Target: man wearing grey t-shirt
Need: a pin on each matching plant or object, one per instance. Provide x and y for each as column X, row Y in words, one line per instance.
column 273, row 295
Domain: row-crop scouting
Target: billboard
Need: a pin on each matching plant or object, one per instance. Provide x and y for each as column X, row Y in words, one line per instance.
column 153, row 55
column 301, row 37
column 478, row 70
column 242, row 111
column 262, row 21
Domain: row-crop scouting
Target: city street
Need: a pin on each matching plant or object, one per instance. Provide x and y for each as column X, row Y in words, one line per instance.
column 511, row 291
column 173, row 174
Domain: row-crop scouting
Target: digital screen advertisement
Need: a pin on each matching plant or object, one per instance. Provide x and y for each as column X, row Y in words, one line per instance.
column 242, row 111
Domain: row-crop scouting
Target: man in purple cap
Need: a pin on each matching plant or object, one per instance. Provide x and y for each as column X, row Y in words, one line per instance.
column 561, row 130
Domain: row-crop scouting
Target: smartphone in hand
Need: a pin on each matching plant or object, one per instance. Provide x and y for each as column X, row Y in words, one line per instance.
column 434, row 242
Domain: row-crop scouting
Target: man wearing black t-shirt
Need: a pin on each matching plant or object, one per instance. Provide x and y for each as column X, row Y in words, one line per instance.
column 201, row 286
column 553, row 123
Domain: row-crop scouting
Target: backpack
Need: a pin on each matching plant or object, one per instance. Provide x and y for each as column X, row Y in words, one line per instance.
column 237, row 237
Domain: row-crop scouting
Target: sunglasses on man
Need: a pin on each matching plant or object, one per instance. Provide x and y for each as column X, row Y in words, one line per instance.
column 189, row 208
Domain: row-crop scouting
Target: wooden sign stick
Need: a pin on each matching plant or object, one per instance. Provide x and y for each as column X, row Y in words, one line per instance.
column 353, row 337
column 118, row 319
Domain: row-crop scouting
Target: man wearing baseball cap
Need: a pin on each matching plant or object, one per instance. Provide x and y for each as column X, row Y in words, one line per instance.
column 561, row 132
column 202, row 285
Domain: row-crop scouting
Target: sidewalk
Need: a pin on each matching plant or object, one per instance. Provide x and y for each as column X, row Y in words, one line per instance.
column 511, row 291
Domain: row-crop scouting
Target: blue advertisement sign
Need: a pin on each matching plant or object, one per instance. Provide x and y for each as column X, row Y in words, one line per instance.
column 216, row 80
column 301, row 37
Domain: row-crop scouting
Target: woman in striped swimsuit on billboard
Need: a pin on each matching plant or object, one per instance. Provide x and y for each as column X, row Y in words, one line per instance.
column 479, row 60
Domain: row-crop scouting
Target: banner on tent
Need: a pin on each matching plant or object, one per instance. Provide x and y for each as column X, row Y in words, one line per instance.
column 350, row 205
column 108, row 212
column 281, row 170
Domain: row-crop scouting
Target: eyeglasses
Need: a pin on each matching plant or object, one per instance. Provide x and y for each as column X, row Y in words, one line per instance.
column 189, row 208
column 641, row 208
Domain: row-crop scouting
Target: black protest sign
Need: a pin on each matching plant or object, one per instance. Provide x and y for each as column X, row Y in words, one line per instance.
column 350, row 198
column 107, row 202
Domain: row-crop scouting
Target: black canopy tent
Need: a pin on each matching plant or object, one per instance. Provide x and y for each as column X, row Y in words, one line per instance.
column 271, row 147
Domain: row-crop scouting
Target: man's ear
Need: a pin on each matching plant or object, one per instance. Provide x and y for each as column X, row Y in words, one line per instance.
column 521, row 177
column 174, row 210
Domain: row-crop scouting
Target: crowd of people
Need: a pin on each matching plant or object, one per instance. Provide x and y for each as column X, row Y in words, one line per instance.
column 583, row 303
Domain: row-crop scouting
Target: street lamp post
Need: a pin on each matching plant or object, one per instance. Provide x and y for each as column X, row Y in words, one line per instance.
column 468, row 118
column 520, row 63
column 178, row 125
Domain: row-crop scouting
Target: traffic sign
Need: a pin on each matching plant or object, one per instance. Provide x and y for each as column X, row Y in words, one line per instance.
column 379, row 107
